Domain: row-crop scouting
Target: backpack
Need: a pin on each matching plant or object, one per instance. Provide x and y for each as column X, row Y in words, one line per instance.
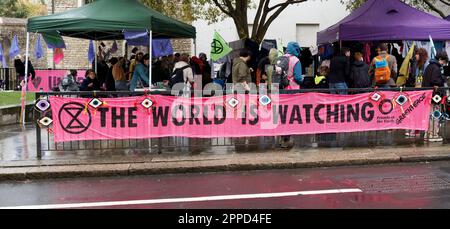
column 68, row 84
column 178, row 76
column 382, row 70
column 281, row 69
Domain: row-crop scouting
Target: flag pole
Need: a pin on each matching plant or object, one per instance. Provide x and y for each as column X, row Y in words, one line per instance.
column 150, row 60
column 24, row 88
column 95, row 56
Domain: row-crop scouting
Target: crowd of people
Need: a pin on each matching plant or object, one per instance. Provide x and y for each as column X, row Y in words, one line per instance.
column 348, row 70
column 121, row 74
column 345, row 70
column 383, row 72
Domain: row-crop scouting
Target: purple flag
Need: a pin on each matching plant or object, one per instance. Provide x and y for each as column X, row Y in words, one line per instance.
column 161, row 47
column 139, row 38
column 2, row 57
column 15, row 50
column 39, row 53
column 91, row 52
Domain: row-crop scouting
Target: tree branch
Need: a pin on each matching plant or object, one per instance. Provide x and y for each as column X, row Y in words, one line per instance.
column 221, row 7
column 258, row 16
column 230, row 6
column 264, row 15
column 445, row 2
column 285, row 4
column 434, row 8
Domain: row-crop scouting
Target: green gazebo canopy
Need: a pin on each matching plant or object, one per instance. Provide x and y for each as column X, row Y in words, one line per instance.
column 108, row 19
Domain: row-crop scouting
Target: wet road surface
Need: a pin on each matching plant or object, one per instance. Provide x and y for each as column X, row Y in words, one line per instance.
column 415, row 186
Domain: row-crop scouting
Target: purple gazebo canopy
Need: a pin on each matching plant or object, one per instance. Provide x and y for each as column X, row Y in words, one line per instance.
column 386, row 20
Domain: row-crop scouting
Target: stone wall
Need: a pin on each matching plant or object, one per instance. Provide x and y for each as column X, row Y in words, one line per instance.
column 13, row 26
column 182, row 46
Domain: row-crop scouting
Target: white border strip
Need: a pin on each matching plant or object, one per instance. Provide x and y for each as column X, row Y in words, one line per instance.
column 183, row 200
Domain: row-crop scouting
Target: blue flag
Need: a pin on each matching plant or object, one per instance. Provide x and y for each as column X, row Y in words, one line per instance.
column 161, row 47
column 2, row 57
column 91, row 52
column 134, row 38
column 38, row 51
column 15, row 50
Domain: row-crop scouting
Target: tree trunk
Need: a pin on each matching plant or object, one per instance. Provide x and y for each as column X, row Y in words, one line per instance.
column 241, row 22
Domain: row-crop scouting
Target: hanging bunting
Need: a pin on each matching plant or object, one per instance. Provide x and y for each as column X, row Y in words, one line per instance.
column 91, row 52
column 38, row 51
column 15, row 49
column 2, row 57
column 58, row 55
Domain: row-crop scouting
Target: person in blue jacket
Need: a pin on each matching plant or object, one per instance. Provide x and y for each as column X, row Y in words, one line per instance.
column 141, row 73
column 294, row 73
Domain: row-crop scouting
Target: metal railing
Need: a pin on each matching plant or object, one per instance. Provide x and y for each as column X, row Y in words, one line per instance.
column 385, row 138
column 8, row 79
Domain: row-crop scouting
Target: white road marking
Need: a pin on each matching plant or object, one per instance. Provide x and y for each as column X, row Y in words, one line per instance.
column 183, row 200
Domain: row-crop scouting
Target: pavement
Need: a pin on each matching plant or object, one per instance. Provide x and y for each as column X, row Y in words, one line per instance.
column 395, row 186
column 18, row 159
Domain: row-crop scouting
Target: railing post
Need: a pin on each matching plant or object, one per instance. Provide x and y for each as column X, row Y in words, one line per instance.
column 38, row 132
column 7, row 71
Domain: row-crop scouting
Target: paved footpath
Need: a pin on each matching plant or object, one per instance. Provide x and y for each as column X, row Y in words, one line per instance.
column 18, row 159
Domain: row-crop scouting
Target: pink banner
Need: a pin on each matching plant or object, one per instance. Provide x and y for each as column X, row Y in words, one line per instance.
column 48, row 79
column 237, row 115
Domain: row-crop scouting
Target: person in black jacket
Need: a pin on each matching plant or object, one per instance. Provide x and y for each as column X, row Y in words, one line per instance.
column 433, row 74
column 359, row 73
column 19, row 65
column 91, row 83
column 110, row 83
column 339, row 72
column 433, row 78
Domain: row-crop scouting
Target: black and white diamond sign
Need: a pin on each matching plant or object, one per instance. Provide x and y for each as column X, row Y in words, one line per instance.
column 147, row 103
column 233, row 102
column 401, row 100
column 376, row 97
column 46, row 121
column 437, row 99
column 95, row 103
column 42, row 105
column 436, row 114
column 265, row 100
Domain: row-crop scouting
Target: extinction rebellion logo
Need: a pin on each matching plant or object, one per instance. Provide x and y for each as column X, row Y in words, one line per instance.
column 74, row 124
